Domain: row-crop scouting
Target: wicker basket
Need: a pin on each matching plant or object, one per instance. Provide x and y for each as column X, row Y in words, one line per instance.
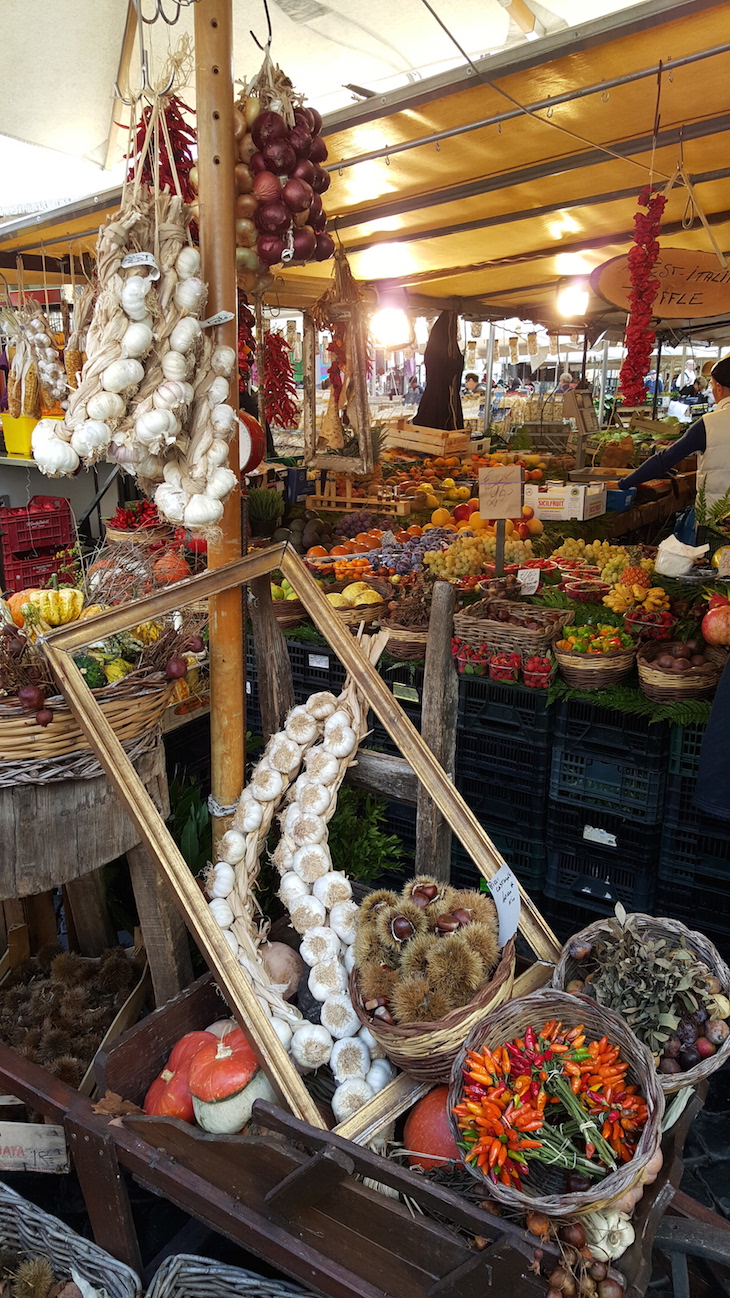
column 289, row 613
column 131, row 706
column 427, row 1051
column 655, row 929
column 595, row 671
column 185, row 1276
column 31, row 1232
column 140, row 535
column 406, row 642
column 476, row 628
column 663, row 688
column 544, row 1191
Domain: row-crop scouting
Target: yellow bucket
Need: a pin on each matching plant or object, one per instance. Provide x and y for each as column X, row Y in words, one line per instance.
column 18, row 433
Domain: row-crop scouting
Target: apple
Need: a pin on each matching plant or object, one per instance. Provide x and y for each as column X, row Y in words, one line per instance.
column 473, row 505
column 461, row 512
column 528, row 511
column 523, row 531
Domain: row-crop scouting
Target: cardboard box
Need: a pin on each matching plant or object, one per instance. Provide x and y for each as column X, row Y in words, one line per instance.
column 576, row 500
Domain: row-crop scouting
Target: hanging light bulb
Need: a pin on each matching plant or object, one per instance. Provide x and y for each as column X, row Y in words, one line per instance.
column 391, row 328
column 572, row 299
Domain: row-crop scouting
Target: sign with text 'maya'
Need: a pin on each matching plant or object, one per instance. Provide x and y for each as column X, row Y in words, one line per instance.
column 692, row 285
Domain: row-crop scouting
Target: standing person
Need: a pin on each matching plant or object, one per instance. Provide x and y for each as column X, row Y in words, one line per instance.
column 708, row 436
column 414, row 393
column 472, row 384
column 440, row 405
column 565, row 383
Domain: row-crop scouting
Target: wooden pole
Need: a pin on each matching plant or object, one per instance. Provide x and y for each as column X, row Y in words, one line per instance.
column 438, row 730
column 216, row 160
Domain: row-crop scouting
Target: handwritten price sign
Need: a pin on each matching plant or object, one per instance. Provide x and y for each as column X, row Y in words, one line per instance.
column 500, row 491
column 506, row 896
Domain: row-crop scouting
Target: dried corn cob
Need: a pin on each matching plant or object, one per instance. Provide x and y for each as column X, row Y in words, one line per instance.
column 73, row 362
column 15, row 390
column 31, row 392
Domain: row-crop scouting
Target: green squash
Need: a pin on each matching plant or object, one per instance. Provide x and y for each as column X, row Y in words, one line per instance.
column 91, row 670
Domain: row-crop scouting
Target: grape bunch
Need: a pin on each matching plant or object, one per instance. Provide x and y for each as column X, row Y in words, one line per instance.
column 469, row 555
column 611, row 573
column 601, row 552
column 572, row 548
column 350, row 524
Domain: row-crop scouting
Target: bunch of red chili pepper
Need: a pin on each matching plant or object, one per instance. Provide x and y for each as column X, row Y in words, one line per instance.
column 279, row 386
column 536, row 1096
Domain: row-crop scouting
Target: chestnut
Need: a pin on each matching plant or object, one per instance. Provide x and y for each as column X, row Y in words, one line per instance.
column 447, row 924
column 401, row 928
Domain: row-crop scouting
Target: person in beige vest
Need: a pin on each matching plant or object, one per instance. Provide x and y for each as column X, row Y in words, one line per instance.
column 709, row 437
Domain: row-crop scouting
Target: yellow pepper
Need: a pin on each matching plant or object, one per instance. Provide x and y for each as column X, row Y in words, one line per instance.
column 117, row 669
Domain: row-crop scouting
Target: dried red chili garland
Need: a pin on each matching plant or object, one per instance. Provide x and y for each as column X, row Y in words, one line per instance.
column 640, row 337
column 183, row 138
column 279, row 386
column 336, row 349
column 246, row 342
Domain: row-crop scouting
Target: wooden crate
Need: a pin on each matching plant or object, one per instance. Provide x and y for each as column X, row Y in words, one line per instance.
column 428, row 441
column 329, row 500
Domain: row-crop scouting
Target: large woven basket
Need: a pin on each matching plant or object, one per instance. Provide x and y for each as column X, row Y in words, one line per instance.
column 289, row 613
column 476, row 628
column 406, row 642
column 28, row 1230
column 131, row 706
column 427, row 1051
column 655, row 929
column 543, row 1188
column 595, row 671
column 663, row 688
column 185, row 1276
column 139, row 536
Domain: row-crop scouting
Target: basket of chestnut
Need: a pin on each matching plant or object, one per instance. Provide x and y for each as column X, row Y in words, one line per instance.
column 687, row 669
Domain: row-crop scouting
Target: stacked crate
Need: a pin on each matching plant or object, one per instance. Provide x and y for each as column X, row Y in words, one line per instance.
column 607, row 788
column 31, row 537
column 694, row 869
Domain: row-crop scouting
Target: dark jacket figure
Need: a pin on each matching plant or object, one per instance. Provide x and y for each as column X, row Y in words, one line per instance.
column 440, row 405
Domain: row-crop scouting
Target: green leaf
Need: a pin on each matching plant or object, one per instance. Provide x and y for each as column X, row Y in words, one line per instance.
column 668, row 1020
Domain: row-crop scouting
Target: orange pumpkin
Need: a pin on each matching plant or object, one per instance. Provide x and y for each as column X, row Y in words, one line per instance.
column 187, row 1048
column 225, row 1080
column 171, row 567
column 169, row 1095
column 15, row 603
column 427, row 1132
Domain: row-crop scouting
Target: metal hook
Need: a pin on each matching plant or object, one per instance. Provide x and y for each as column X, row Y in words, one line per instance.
column 147, row 89
column 264, row 48
column 605, row 97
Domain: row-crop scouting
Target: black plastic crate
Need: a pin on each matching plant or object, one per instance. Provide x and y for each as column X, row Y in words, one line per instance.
column 526, row 857
column 407, row 689
column 705, row 907
column 593, row 729
column 504, row 809
column 602, row 782
column 253, row 707
column 603, row 834
column 496, row 708
column 314, row 668
column 682, row 816
column 492, row 756
column 687, row 853
column 566, row 918
column 685, row 743
column 578, row 877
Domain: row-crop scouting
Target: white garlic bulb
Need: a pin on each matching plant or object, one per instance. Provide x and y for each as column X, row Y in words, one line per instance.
column 311, row 796
column 186, row 332
column 220, row 483
column 283, row 1031
column 311, row 862
column 291, row 889
column 218, row 391
column 307, row 829
column 105, row 405
column 169, row 395
column 137, row 340
column 326, row 978
column 311, row 1046
column 321, row 766
column 343, row 918
column 171, row 502
column 321, row 705
column 190, row 294
column 232, row 847
column 188, row 263
column 283, row 754
column 221, row 912
column 307, row 913
column 266, row 784
column 223, row 360
column 252, row 816
column 222, row 419
column 350, row 1097
column 122, row 374
column 301, row 726
column 91, row 438
column 338, row 1016
column 222, row 880
column 174, row 365
column 217, row 453
column 332, row 888
column 350, row 1057
column 318, row 944
column 380, row 1074
column 202, row 511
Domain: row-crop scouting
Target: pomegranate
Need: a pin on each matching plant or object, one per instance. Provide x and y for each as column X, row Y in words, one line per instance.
column 716, row 622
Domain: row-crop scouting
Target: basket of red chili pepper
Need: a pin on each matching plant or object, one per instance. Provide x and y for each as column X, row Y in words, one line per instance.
column 550, row 1086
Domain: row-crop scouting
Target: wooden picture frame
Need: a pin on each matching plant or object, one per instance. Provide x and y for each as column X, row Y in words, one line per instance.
column 352, row 315
column 61, row 644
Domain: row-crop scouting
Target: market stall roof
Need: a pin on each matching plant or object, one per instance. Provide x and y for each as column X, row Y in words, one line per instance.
column 485, row 186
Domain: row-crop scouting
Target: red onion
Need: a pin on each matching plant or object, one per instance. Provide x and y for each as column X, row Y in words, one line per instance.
column 325, row 247
column 270, row 247
column 196, row 643
column 245, row 233
column 44, row 717
column 246, row 148
column 301, row 141
column 246, row 205
column 244, row 180
column 321, row 182
column 257, row 164
column 273, row 218
column 280, row 157
column 246, row 259
column 266, row 187
column 297, row 195
column 315, row 209
column 305, row 243
column 304, row 170
column 175, row 669
column 31, row 697
column 304, row 117
column 268, row 126
column 318, row 223
column 318, row 151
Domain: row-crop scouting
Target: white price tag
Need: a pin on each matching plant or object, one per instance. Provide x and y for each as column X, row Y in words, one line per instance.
column 319, row 660
column 221, row 317
column 505, row 892
column 141, row 259
column 530, row 579
column 592, row 834
column 723, row 569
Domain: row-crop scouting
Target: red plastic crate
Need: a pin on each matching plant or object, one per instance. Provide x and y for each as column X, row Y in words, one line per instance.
column 21, row 573
column 45, row 522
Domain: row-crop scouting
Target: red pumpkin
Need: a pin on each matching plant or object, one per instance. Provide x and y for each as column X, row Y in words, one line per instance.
column 186, row 1050
column 427, row 1131
column 169, row 1095
column 171, row 567
column 222, row 1068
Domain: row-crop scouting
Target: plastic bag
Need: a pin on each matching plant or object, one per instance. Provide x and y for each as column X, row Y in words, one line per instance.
column 685, row 526
column 675, row 559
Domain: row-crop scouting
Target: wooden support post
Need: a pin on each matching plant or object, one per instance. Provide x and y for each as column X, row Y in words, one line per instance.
column 217, row 196
column 276, row 690
column 438, row 730
column 163, row 931
column 105, row 1193
column 42, row 926
column 499, row 551
column 93, row 926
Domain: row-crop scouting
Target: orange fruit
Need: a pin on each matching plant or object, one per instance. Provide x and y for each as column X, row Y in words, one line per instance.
column 535, row 526
column 414, row 530
column 440, row 517
column 339, row 549
column 316, row 552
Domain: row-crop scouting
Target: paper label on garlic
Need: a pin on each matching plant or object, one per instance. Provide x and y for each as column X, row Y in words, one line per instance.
column 221, row 317
column 505, row 892
column 142, row 259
